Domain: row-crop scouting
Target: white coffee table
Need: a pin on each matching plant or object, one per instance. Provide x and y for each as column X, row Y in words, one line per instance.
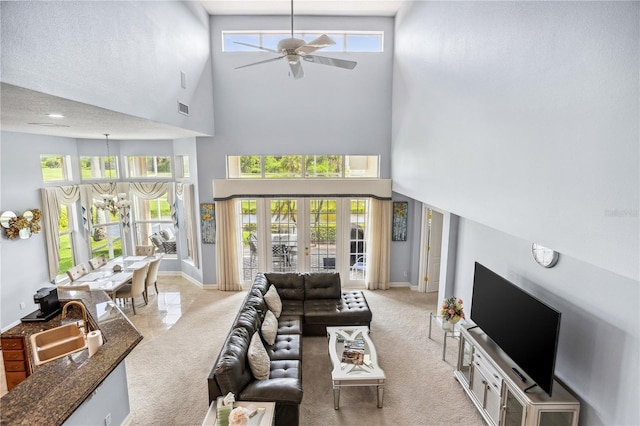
column 346, row 374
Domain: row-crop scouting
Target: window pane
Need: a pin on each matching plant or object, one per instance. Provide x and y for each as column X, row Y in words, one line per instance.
column 99, row 168
column 106, row 237
column 229, row 39
column 357, row 244
column 322, row 228
column 284, row 166
column 284, row 242
column 361, row 166
column 65, row 240
column 324, row 166
column 156, row 167
column 245, row 166
column 54, row 168
column 185, row 167
column 364, row 43
column 249, row 239
column 270, row 41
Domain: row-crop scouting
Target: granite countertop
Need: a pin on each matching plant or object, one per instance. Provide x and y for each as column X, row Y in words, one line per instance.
column 56, row 389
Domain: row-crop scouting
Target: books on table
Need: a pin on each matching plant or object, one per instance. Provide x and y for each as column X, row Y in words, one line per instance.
column 353, row 352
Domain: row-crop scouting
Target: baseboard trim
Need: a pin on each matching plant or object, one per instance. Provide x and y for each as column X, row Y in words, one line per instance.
column 400, row 284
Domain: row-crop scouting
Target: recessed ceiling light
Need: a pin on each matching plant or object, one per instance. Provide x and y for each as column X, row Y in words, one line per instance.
column 55, row 115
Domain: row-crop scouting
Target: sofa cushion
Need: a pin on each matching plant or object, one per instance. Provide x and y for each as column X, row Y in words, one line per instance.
column 290, row 324
column 232, row 373
column 322, row 286
column 286, row 347
column 258, row 358
column 249, row 318
column 269, row 328
column 292, row 307
column 261, row 283
column 351, row 309
column 290, row 285
column 273, row 301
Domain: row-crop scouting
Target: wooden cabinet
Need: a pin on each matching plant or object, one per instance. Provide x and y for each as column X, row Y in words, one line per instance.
column 16, row 360
column 485, row 373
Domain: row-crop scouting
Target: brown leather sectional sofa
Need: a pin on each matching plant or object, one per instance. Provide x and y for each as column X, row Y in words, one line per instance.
column 310, row 303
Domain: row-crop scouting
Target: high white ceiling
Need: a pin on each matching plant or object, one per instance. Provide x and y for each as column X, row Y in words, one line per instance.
column 25, row 111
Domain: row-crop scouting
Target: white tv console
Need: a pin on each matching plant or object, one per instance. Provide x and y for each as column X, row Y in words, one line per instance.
column 485, row 372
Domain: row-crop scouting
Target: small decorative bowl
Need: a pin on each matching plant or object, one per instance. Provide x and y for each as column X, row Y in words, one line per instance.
column 117, row 268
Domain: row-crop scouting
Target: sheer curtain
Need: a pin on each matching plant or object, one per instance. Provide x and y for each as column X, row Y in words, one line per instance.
column 227, row 250
column 379, row 246
column 184, row 192
column 51, row 200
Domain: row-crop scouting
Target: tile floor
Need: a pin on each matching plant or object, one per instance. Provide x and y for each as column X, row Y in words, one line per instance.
column 163, row 311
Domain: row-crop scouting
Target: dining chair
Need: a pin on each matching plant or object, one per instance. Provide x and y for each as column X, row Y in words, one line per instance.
column 135, row 288
column 79, row 287
column 152, row 277
column 77, row 272
column 145, row 250
column 98, row 261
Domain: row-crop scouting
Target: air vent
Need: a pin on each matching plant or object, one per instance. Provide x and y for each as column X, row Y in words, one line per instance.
column 183, row 108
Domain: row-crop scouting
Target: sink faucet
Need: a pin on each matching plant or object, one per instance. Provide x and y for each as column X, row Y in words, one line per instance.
column 85, row 324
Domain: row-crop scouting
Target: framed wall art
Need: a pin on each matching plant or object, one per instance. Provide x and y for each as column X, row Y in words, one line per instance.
column 208, row 222
column 399, row 230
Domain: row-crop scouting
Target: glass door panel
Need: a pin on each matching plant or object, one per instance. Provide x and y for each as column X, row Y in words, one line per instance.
column 358, row 220
column 249, row 235
column 322, row 235
column 284, row 235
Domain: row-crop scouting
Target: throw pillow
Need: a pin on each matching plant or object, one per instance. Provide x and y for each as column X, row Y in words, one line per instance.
column 258, row 358
column 273, row 301
column 269, row 328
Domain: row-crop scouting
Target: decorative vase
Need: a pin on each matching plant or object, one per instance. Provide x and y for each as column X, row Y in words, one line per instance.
column 447, row 325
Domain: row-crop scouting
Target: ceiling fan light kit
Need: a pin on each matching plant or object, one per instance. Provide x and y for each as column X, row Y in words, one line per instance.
column 294, row 48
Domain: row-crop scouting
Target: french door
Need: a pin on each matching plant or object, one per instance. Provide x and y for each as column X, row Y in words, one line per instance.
column 304, row 235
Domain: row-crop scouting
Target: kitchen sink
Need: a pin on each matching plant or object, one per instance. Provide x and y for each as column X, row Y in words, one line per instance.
column 57, row 342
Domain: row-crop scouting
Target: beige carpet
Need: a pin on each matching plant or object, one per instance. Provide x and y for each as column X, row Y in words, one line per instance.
column 167, row 373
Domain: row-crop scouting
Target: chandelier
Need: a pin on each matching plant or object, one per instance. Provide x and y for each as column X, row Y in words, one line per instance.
column 109, row 202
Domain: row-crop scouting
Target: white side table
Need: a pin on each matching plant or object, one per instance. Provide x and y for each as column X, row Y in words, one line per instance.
column 264, row 417
column 452, row 334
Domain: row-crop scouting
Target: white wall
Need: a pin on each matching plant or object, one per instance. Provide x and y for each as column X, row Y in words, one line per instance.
column 521, row 118
column 524, row 116
column 599, row 344
column 124, row 56
column 261, row 110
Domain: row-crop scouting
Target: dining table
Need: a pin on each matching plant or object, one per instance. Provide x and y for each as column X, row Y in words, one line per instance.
column 113, row 275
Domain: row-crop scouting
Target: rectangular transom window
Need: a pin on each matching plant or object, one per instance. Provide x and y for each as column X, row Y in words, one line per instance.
column 345, row 41
column 55, row 168
column 99, row 168
column 302, row 166
column 149, row 167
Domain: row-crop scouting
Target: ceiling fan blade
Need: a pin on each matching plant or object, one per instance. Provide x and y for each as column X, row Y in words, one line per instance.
column 322, row 41
column 296, row 70
column 341, row 63
column 261, row 62
column 257, row 47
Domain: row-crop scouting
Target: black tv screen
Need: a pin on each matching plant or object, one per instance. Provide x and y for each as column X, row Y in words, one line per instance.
column 525, row 328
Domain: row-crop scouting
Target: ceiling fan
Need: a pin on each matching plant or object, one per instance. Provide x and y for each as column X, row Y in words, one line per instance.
column 294, row 49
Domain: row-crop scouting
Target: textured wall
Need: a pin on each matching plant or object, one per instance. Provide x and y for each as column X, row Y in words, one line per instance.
column 524, row 116
column 124, row 56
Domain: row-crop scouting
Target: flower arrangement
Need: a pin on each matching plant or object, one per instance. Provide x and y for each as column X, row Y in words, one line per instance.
column 239, row 416
column 451, row 309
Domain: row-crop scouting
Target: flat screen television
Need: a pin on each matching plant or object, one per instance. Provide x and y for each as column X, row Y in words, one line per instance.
column 525, row 328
